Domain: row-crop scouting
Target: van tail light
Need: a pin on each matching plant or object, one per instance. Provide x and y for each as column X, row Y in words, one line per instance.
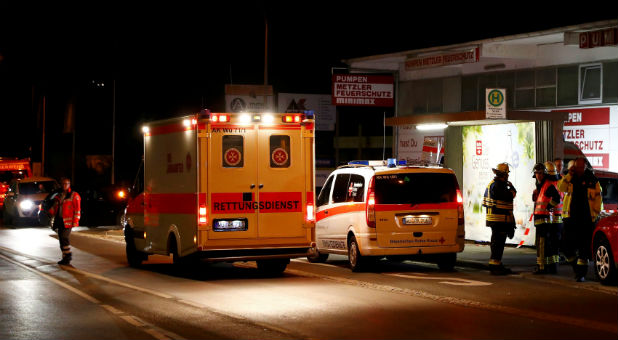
column 371, row 204
column 460, row 210
column 203, row 215
column 310, row 213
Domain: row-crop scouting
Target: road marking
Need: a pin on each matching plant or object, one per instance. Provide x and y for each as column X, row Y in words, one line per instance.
column 52, row 279
column 156, row 332
column 590, row 324
column 457, row 281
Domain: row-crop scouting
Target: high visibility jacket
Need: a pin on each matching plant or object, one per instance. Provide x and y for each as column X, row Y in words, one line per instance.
column 70, row 208
column 498, row 199
column 590, row 182
column 547, row 201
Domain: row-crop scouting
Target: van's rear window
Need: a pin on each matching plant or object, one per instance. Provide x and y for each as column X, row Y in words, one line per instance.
column 415, row 188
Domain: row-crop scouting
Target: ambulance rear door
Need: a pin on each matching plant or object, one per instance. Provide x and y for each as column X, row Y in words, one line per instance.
column 232, row 180
column 281, row 180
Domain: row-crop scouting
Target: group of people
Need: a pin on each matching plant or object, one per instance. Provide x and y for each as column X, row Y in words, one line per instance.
column 566, row 207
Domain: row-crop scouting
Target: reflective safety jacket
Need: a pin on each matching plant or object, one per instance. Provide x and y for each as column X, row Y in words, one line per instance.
column 70, row 208
column 593, row 192
column 498, row 199
column 547, row 202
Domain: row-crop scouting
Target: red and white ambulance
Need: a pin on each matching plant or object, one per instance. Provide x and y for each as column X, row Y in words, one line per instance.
column 226, row 187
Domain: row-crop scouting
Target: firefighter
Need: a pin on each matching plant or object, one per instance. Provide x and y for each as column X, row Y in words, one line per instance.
column 498, row 199
column 66, row 210
column 559, row 164
column 545, row 197
column 582, row 205
column 556, row 229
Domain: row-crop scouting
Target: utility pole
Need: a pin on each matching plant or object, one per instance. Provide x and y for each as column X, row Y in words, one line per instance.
column 265, row 50
column 113, row 128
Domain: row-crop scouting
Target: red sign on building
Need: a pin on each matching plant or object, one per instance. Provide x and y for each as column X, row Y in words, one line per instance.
column 363, row 90
column 606, row 37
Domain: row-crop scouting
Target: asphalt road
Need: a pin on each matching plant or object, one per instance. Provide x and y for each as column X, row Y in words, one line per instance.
column 310, row 301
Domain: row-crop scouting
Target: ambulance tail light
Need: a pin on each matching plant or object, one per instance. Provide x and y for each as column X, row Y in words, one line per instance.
column 203, row 215
column 297, row 118
column 310, row 212
column 371, row 205
column 460, row 210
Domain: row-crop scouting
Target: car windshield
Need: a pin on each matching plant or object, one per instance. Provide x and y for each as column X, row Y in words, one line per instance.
column 41, row 187
column 415, row 188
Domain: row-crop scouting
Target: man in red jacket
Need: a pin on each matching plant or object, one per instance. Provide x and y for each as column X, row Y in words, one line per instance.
column 66, row 211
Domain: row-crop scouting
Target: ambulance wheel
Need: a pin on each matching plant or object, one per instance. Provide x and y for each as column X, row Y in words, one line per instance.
column 355, row 259
column 134, row 256
column 272, row 267
column 6, row 218
column 446, row 262
column 318, row 257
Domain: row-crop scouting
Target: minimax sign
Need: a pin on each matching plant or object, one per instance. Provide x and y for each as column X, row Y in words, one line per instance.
column 363, row 90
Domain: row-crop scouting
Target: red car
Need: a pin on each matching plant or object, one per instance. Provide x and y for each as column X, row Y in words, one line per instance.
column 605, row 249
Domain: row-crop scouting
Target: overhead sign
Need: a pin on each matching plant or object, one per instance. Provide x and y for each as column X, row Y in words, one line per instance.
column 495, row 103
column 599, row 38
column 249, row 98
column 363, row 90
column 452, row 58
column 591, row 131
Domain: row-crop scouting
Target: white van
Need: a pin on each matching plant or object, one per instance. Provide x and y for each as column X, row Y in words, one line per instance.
column 370, row 210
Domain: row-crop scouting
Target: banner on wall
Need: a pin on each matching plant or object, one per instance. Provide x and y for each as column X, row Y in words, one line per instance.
column 592, row 130
column 416, row 146
column 484, row 147
column 321, row 104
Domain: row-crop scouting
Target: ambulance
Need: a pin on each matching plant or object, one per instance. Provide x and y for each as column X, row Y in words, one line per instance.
column 225, row 187
column 369, row 210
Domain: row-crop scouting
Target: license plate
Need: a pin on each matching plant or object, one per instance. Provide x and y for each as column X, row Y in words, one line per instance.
column 230, row 224
column 417, row 220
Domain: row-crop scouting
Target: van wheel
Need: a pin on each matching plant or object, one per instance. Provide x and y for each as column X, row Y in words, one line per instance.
column 355, row 259
column 272, row 267
column 446, row 262
column 318, row 258
column 604, row 267
column 6, row 218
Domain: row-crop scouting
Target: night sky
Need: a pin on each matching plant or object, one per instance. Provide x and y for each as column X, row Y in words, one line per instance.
column 173, row 59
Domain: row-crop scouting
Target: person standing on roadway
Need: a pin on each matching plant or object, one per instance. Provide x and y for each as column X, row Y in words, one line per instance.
column 546, row 198
column 582, row 205
column 498, row 199
column 66, row 210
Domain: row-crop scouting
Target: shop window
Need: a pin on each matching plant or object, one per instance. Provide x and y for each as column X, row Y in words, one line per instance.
column 610, row 82
column 524, row 89
column 468, row 93
column 506, row 81
column 419, row 97
column 434, row 95
column 567, row 86
column 232, row 151
column 590, row 90
column 280, row 151
column 340, row 191
column 545, row 87
column 485, row 82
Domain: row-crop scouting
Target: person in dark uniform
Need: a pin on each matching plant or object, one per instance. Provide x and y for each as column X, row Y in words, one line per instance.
column 546, row 198
column 498, row 199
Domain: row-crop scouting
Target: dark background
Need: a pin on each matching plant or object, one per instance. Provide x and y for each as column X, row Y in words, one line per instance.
column 170, row 60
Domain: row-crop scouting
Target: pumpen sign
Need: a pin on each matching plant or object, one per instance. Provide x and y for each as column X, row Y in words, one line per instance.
column 363, row 90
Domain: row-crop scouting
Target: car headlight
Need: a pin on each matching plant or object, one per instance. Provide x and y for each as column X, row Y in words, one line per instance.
column 26, row 205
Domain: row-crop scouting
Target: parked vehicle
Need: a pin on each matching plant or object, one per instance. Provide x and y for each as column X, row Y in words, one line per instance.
column 368, row 210
column 12, row 169
column 24, row 197
column 605, row 249
column 225, row 187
